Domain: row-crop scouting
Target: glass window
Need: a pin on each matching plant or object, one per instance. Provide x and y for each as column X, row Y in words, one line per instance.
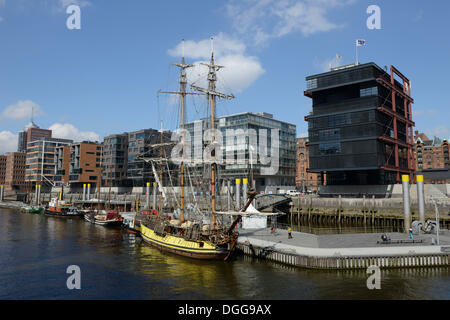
column 369, row 92
column 330, row 148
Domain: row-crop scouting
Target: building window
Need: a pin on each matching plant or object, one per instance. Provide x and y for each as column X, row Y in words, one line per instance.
column 369, row 92
column 330, row 148
column 311, row 84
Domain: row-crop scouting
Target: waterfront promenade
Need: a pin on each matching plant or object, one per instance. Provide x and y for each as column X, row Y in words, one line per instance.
column 345, row 251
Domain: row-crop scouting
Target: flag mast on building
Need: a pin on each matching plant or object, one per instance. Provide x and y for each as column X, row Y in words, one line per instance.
column 359, row 43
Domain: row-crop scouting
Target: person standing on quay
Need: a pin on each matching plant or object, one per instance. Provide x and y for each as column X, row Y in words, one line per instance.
column 289, row 233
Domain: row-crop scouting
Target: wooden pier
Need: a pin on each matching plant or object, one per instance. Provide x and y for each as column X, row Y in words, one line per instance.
column 360, row 212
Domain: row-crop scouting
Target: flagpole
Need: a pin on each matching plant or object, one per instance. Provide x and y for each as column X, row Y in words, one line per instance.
column 356, row 44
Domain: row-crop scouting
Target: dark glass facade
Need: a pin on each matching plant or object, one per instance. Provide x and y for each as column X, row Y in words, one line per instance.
column 346, row 124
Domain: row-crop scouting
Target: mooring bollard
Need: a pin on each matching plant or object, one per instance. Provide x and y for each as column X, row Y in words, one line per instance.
column 36, row 194
column 406, row 203
column 238, row 194
column 229, row 195
column 147, row 196
column 155, row 185
column 437, row 222
column 245, row 190
column 421, row 198
column 39, row 195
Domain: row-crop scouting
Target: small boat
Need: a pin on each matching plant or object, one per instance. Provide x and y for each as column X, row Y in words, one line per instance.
column 62, row 209
column 129, row 222
column 32, row 210
column 110, row 219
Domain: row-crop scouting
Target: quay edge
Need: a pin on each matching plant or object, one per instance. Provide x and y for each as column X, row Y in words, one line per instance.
column 347, row 258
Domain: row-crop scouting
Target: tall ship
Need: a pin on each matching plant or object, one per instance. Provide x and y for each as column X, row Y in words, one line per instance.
column 204, row 237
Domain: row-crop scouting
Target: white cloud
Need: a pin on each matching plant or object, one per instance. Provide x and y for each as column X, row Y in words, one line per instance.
column 82, row 3
column 429, row 112
column 8, row 142
column 223, row 45
column 22, row 110
column 265, row 19
column 441, row 131
column 60, row 6
column 324, row 65
column 239, row 72
column 69, row 131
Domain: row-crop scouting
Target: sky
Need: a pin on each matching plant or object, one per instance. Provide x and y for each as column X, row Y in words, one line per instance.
column 104, row 78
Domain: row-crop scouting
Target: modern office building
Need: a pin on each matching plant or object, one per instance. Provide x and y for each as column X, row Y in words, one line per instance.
column 15, row 171
column 78, row 164
column 360, row 127
column 140, row 142
column 41, row 160
column 31, row 132
column 305, row 180
column 115, row 160
column 245, row 142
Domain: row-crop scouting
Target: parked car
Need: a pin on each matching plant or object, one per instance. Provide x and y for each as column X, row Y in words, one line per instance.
column 293, row 193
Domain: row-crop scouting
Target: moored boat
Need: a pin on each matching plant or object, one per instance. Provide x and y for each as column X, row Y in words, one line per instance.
column 129, row 222
column 32, row 209
column 190, row 240
column 204, row 238
column 110, row 219
column 62, row 209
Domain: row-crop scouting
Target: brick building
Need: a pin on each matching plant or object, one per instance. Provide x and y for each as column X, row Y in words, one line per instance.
column 78, row 164
column 31, row 132
column 304, row 180
column 431, row 153
column 432, row 158
column 15, row 171
column 2, row 169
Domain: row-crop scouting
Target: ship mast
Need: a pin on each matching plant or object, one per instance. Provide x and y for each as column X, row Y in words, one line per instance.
column 183, row 81
column 212, row 94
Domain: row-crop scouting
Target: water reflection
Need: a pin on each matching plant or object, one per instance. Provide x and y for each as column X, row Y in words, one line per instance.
column 36, row 250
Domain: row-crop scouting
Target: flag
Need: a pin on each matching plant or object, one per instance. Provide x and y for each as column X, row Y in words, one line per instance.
column 338, row 56
column 360, row 43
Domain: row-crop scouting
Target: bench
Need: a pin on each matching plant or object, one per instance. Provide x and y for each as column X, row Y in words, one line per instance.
column 399, row 241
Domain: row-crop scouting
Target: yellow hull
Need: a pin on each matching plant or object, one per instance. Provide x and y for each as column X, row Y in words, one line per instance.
column 178, row 245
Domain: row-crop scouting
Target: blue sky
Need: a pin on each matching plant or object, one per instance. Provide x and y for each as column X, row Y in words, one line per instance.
column 104, row 78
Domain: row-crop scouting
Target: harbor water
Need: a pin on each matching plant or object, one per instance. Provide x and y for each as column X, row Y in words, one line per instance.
column 36, row 250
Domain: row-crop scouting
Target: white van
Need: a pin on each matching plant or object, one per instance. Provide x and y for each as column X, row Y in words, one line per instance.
column 293, row 193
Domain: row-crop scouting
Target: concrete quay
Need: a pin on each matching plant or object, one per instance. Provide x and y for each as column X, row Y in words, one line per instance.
column 344, row 251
